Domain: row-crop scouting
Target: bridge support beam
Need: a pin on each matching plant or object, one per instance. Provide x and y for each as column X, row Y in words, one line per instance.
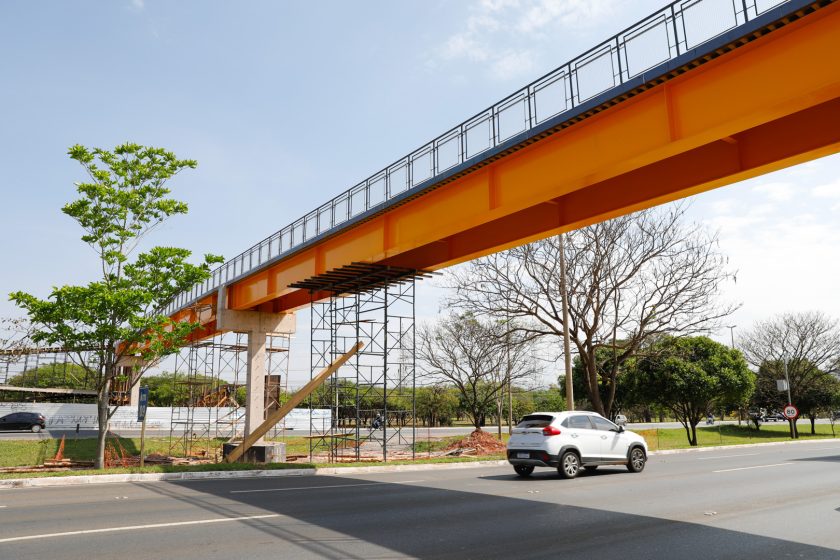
column 258, row 325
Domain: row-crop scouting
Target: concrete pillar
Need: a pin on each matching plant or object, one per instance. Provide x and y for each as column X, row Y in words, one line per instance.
column 258, row 325
column 255, row 383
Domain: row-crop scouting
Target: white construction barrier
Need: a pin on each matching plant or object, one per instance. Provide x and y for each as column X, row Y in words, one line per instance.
column 62, row 416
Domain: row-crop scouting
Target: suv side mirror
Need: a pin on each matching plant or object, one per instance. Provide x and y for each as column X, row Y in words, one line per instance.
column 621, row 429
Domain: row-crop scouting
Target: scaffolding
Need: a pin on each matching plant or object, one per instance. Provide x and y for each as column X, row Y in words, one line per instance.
column 371, row 399
column 45, row 366
column 209, row 383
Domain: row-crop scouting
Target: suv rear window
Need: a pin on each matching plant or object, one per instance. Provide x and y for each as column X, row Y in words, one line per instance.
column 578, row 421
column 535, row 421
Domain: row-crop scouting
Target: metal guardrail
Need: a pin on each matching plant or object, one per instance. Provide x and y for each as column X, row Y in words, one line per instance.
column 677, row 29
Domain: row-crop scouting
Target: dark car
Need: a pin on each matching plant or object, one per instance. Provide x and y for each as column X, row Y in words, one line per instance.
column 23, row 421
column 775, row 417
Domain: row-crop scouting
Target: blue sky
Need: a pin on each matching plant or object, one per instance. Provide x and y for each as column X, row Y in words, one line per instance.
column 285, row 105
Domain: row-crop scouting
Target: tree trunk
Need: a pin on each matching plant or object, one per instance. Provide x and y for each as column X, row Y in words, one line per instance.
column 813, row 420
column 476, row 416
column 499, row 407
column 693, row 440
column 592, row 385
column 102, row 414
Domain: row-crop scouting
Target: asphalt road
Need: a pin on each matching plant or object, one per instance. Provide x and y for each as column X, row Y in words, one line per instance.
column 760, row 502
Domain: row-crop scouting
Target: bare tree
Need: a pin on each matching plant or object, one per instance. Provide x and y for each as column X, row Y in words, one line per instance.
column 14, row 338
column 471, row 354
column 808, row 341
column 629, row 280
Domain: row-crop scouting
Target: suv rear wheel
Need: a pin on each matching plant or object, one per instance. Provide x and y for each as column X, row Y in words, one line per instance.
column 36, row 428
column 523, row 470
column 569, row 465
column 637, row 460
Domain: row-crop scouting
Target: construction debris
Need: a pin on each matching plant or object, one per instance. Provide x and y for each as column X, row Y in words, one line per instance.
column 478, row 442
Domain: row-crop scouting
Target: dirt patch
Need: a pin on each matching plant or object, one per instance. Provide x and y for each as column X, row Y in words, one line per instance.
column 478, row 442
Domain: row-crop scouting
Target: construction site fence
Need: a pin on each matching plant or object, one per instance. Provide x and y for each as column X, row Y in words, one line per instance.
column 62, row 416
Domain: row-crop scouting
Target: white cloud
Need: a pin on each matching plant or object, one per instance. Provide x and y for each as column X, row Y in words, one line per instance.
column 138, row 4
column 777, row 192
column 502, row 34
column 514, row 63
column 571, row 13
column 827, row 190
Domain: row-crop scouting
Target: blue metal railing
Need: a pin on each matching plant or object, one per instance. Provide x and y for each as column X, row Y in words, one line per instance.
column 672, row 32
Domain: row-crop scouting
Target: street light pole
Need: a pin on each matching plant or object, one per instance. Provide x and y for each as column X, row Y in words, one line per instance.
column 732, row 335
column 567, row 352
column 790, row 401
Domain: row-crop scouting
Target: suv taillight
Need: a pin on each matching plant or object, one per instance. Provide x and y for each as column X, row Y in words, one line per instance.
column 551, row 431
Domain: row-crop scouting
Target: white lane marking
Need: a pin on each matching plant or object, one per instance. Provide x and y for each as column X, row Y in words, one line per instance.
column 824, row 449
column 138, row 527
column 1, row 507
column 755, row 467
column 725, row 456
column 318, row 487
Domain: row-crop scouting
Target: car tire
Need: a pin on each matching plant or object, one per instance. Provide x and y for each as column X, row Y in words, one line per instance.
column 523, row 470
column 569, row 465
column 35, row 428
column 591, row 468
column 636, row 461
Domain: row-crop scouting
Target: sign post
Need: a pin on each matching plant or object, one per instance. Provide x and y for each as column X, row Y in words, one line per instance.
column 791, row 413
column 142, row 404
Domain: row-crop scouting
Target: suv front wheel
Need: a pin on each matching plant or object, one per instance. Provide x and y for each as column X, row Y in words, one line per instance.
column 569, row 465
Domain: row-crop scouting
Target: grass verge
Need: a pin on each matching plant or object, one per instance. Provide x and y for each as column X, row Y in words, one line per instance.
column 730, row 434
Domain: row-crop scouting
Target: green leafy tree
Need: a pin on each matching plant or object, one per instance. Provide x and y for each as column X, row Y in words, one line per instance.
column 551, row 399
column 168, row 389
column 692, row 376
column 59, row 375
column 436, row 404
column 117, row 317
column 817, row 397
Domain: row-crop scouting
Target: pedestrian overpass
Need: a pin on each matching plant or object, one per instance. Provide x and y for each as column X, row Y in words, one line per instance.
column 700, row 94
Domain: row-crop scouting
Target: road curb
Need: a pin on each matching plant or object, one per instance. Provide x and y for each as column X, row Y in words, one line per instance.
column 147, row 477
column 406, row 468
column 741, row 446
column 82, row 480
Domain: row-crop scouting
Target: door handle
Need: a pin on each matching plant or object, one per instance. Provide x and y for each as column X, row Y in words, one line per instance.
column 603, row 437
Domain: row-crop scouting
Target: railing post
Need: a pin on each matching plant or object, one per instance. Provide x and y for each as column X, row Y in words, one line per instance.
column 676, row 33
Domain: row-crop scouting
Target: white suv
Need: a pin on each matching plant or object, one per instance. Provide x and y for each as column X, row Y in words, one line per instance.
column 571, row 440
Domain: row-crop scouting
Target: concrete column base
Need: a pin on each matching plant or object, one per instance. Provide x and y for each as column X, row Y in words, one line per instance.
column 259, row 453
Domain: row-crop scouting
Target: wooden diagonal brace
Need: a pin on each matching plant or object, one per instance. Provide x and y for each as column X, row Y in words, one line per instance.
column 296, row 399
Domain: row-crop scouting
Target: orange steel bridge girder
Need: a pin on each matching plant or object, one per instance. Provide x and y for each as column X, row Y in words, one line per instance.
column 769, row 104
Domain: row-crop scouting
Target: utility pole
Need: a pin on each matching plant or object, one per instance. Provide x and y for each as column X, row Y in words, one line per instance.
column 509, row 375
column 732, row 334
column 570, row 397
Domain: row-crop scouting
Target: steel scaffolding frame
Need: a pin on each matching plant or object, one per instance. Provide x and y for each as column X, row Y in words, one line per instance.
column 208, row 374
column 378, row 381
column 26, row 362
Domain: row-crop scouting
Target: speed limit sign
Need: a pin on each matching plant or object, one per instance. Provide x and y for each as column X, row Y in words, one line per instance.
column 790, row 412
